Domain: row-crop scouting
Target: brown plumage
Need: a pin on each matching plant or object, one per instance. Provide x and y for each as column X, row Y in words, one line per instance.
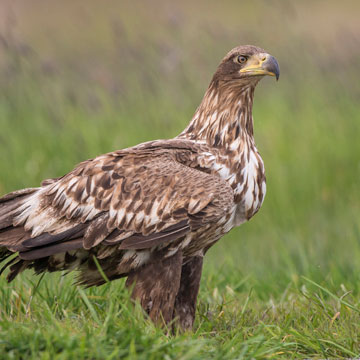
column 150, row 212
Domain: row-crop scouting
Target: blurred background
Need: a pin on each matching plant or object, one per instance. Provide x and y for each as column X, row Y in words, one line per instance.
column 78, row 79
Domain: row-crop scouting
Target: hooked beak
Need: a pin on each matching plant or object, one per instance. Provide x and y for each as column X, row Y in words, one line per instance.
column 262, row 64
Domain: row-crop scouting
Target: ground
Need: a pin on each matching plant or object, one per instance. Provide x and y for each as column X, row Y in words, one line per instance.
column 236, row 319
column 286, row 284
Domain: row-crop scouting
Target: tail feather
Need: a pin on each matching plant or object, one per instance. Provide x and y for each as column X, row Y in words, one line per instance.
column 16, row 194
column 11, row 237
column 9, row 204
column 48, row 250
column 69, row 247
column 45, row 252
column 16, row 269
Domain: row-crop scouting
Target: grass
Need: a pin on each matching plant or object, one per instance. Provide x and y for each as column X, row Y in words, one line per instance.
column 286, row 284
column 55, row 320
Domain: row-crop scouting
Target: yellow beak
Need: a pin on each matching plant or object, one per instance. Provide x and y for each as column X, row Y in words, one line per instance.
column 262, row 64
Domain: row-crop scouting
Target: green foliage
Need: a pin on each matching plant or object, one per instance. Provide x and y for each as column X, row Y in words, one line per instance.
column 56, row 320
column 286, row 284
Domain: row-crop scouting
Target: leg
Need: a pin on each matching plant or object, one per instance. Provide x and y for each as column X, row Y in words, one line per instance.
column 156, row 286
column 185, row 303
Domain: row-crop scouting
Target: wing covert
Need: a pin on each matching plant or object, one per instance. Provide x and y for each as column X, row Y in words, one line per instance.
column 138, row 199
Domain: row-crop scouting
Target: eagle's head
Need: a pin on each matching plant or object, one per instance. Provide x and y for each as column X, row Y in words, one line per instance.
column 245, row 65
column 229, row 98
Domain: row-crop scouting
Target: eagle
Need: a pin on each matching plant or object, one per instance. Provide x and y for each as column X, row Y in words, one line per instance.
column 150, row 212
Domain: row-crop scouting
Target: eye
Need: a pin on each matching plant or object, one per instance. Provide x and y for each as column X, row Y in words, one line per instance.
column 241, row 59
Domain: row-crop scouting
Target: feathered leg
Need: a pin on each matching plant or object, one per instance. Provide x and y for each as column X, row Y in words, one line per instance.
column 185, row 303
column 156, row 286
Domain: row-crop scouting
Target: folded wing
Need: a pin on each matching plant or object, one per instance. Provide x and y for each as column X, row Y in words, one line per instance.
column 137, row 200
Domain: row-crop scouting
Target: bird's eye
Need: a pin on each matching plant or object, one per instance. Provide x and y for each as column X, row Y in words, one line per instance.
column 241, row 59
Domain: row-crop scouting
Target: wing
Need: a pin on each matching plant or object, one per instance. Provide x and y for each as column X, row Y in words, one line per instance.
column 138, row 199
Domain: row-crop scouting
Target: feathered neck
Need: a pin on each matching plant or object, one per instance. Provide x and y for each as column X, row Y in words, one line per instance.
column 224, row 115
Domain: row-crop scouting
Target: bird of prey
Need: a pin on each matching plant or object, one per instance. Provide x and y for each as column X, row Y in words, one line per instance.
column 150, row 212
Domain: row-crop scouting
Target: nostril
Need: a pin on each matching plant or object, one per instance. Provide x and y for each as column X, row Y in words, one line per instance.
column 263, row 58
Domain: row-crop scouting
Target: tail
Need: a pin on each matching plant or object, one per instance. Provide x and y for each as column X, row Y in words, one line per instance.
column 11, row 236
column 44, row 252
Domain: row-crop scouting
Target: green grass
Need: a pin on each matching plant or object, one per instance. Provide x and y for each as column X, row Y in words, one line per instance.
column 55, row 320
column 286, row 284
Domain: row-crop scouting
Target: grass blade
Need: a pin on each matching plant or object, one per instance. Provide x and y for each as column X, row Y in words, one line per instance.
column 352, row 307
column 89, row 305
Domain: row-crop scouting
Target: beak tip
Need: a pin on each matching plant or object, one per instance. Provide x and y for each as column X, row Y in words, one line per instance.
column 273, row 66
